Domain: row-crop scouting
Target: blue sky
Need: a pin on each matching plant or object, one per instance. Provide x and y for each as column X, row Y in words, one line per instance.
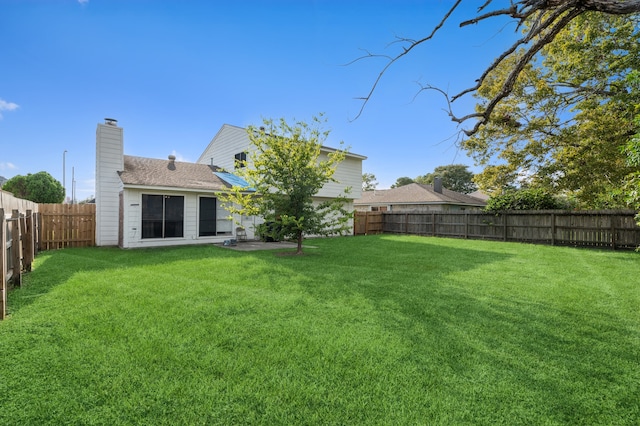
column 173, row 72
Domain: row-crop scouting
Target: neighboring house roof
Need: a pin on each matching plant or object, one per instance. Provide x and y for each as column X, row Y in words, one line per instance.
column 141, row 171
column 480, row 195
column 416, row 193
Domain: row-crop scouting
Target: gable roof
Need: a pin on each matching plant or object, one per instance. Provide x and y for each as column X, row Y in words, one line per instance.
column 142, row 171
column 241, row 132
column 416, row 193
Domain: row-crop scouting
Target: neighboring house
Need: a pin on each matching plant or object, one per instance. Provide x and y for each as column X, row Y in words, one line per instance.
column 417, row 197
column 146, row 202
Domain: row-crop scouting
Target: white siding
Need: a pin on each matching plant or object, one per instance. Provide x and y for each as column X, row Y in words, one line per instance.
column 109, row 161
column 132, row 223
column 348, row 174
column 228, row 142
column 231, row 140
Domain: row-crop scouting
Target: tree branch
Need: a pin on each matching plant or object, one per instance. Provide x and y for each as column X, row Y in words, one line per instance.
column 546, row 19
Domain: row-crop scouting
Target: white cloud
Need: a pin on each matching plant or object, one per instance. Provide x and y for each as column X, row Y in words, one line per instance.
column 7, row 106
column 8, row 166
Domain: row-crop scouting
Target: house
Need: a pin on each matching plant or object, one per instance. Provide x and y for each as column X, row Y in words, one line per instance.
column 148, row 202
column 417, row 197
column 232, row 143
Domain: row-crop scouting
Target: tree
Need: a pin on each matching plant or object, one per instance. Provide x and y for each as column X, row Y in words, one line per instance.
column 455, row 177
column 402, row 181
column 524, row 199
column 567, row 116
column 285, row 170
column 40, row 187
column 541, row 21
column 369, row 182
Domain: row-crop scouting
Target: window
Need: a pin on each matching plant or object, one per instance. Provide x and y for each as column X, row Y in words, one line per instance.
column 240, row 160
column 162, row 216
column 207, row 218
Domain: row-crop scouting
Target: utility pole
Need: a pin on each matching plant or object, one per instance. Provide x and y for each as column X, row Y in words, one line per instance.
column 64, row 183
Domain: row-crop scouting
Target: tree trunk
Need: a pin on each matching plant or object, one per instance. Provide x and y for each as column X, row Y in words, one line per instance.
column 299, row 249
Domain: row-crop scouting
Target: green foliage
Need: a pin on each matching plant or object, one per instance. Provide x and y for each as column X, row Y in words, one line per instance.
column 524, row 199
column 455, row 177
column 369, row 182
column 373, row 330
column 40, row 187
column 285, row 170
column 402, row 181
column 568, row 115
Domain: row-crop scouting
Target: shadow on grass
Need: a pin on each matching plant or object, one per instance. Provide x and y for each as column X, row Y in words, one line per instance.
column 558, row 359
column 52, row 268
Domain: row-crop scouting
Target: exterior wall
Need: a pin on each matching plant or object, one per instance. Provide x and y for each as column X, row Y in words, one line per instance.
column 231, row 140
column 132, row 220
column 348, row 174
column 417, row 207
column 109, row 161
column 432, row 208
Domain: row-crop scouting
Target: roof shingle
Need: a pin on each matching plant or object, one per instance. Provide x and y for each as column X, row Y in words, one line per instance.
column 141, row 171
column 416, row 193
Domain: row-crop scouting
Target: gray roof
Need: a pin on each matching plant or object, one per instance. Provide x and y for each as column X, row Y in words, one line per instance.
column 141, row 171
column 416, row 193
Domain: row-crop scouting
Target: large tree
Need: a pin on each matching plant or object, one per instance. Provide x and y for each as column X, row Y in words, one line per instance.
column 402, row 181
column 455, row 177
column 40, row 187
column 369, row 182
column 285, row 169
column 564, row 122
column 553, row 109
column 540, row 21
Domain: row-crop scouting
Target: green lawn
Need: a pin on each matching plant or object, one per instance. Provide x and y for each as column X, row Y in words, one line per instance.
column 363, row 330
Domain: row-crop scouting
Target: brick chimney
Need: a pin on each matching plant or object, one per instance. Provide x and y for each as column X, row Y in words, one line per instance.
column 437, row 185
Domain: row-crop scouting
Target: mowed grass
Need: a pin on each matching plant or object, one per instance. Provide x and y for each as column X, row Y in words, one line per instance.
column 369, row 330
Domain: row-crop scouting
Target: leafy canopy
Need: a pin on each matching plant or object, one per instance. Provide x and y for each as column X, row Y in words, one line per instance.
column 40, row 187
column 568, row 115
column 284, row 170
column 402, row 181
column 524, row 199
column 455, row 177
column 369, row 182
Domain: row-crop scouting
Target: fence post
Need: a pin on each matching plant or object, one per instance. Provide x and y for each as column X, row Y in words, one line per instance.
column 553, row 229
column 613, row 232
column 504, row 225
column 466, row 226
column 433, row 224
column 27, row 239
column 366, row 223
column 16, row 248
column 3, row 266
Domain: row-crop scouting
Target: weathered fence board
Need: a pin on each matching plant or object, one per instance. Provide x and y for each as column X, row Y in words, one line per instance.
column 18, row 236
column 67, row 225
column 367, row 223
column 614, row 229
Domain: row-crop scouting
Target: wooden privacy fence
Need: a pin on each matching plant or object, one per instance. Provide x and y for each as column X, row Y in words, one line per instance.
column 615, row 229
column 67, row 225
column 26, row 228
column 18, row 241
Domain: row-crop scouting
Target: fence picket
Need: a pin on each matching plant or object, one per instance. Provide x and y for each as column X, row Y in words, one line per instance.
column 600, row 228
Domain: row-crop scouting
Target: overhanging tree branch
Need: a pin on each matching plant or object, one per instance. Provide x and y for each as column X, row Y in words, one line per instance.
column 544, row 18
